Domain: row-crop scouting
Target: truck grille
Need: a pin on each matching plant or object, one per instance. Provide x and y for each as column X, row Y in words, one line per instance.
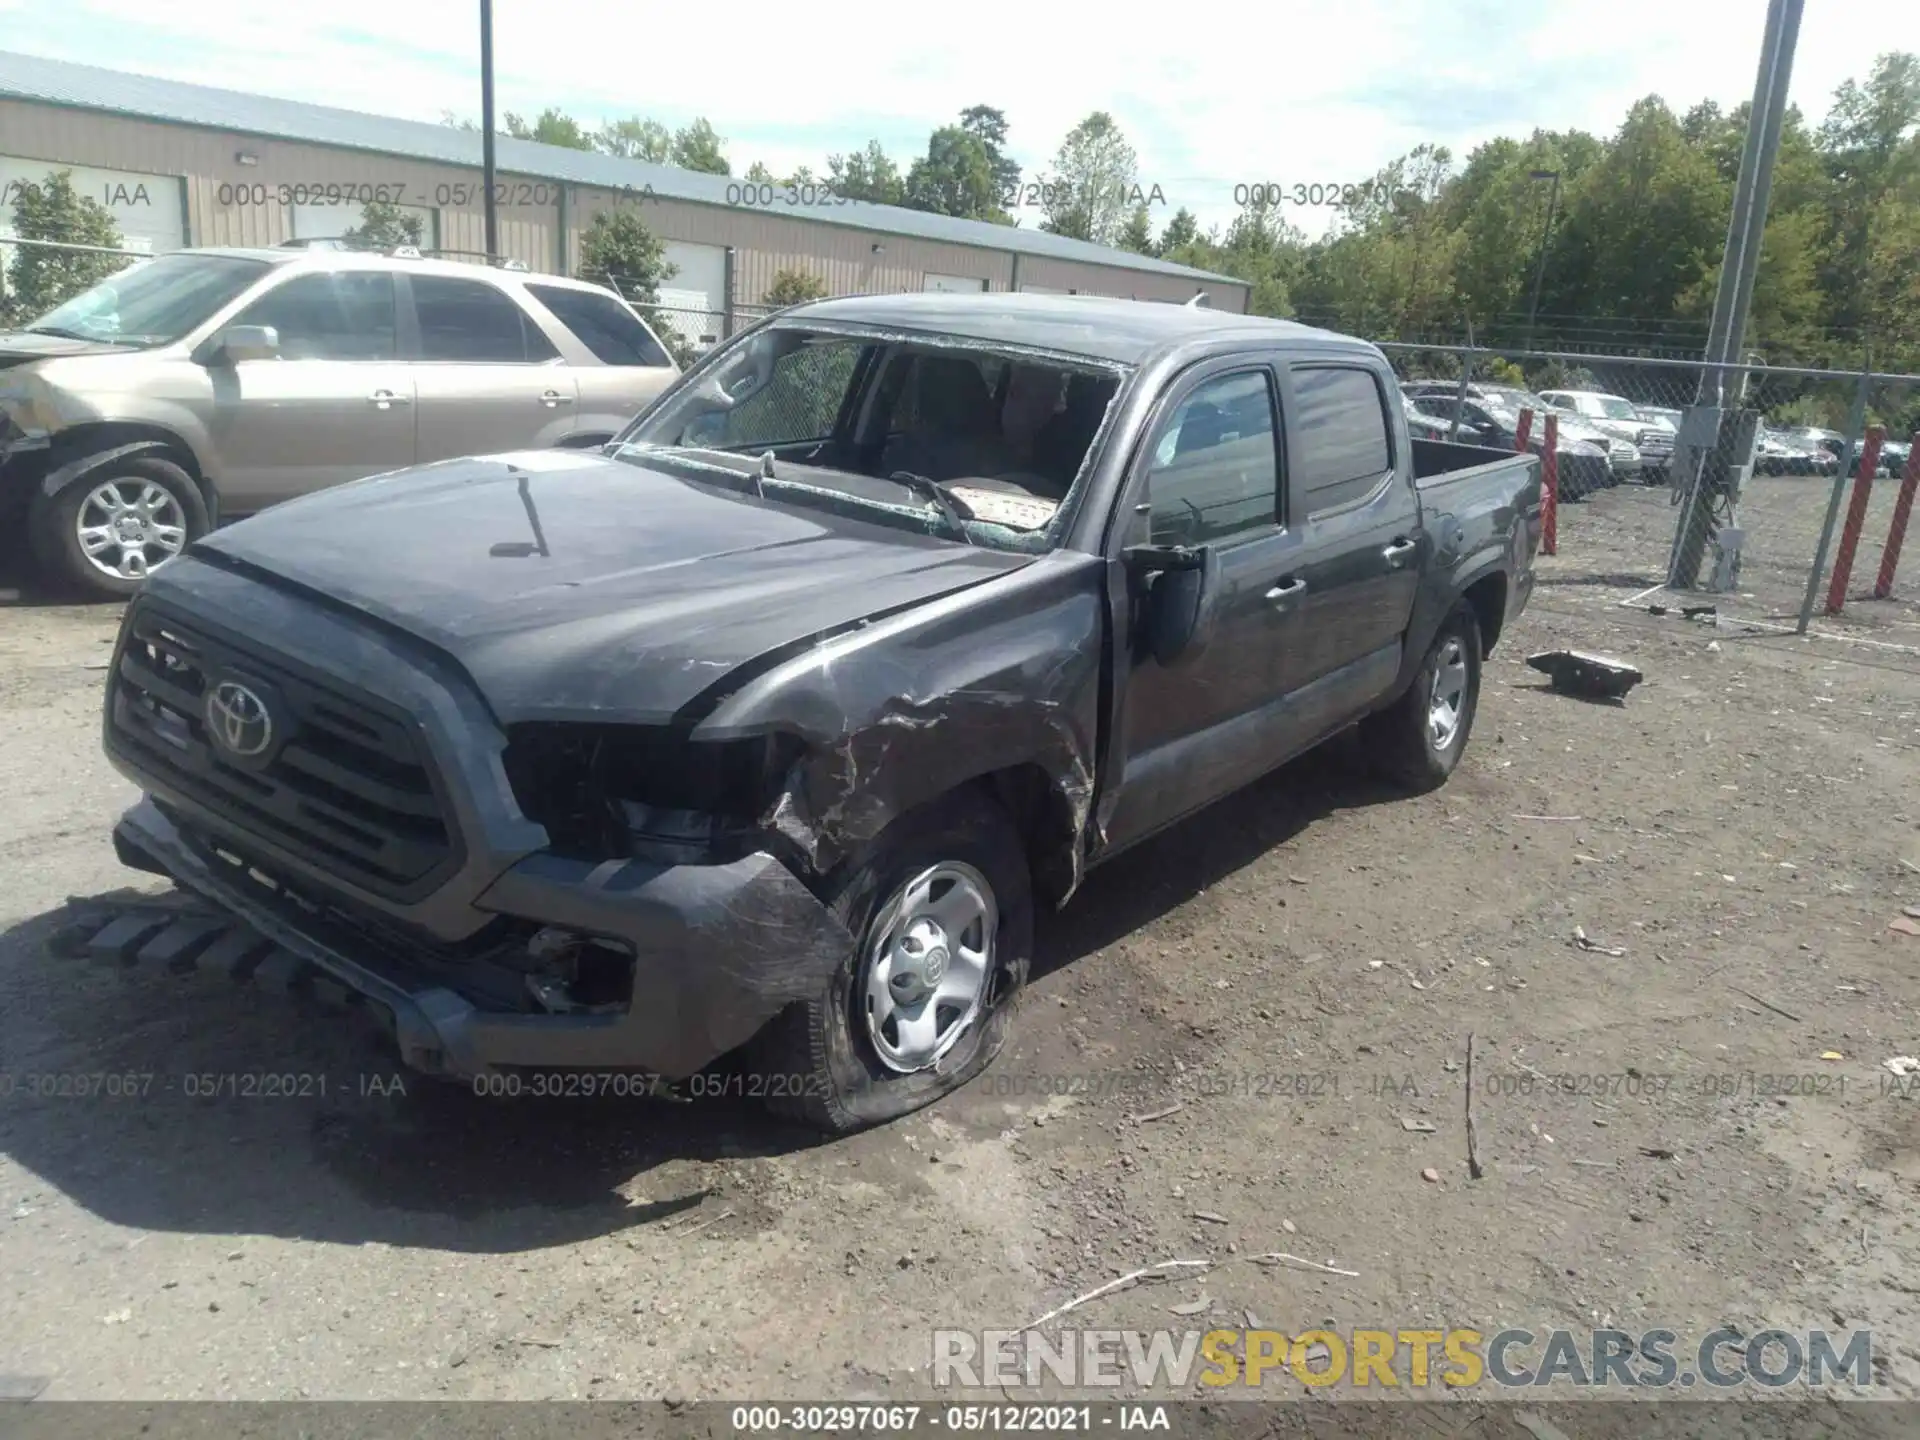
column 340, row 778
column 1655, row 442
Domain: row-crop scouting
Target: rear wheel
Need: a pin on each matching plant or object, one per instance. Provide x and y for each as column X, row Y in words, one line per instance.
column 1419, row 739
column 941, row 911
column 109, row 531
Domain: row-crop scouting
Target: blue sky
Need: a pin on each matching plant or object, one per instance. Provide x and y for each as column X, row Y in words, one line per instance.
column 1290, row 91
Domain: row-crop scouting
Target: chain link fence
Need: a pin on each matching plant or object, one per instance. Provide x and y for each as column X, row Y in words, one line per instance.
column 1639, row 522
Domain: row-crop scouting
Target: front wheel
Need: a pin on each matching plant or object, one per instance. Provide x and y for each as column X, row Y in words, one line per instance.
column 941, row 911
column 1419, row 739
column 108, row 531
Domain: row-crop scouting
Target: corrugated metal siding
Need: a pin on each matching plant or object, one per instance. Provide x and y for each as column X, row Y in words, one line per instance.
column 765, row 241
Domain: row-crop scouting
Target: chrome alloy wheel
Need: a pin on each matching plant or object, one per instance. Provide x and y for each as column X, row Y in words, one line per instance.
column 1449, row 694
column 129, row 528
column 929, row 965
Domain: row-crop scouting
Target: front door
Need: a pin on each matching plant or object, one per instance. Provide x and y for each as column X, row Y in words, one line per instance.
column 486, row 376
column 335, row 405
column 1210, row 475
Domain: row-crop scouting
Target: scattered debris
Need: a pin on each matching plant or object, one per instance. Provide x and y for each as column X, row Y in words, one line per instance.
column 1473, row 1150
column 1831, row 1055
column 1905, row 925
column 1902, row 1065
column 1211, row 1217
column 1762, row 1000
column 1912, row 912
column 539, row 1341
column 694, row 1229
column 1415, row 1127
column 1430, row 1175
column 1289, row 1227
column 1574, row 672
column 120, row 1317
column 1593, row 1164
column 1192, row 1307
column 1580, row 939
column 1538, row 1426
column 1658, row 1152
column 1161, row 1114
column 1548, row 817
column 1700, row 612
column 1132, row 1277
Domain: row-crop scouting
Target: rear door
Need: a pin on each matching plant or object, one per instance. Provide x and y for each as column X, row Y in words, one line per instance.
column 1210, row 474
column 628, row 365
column 1362, row 546
column 485, row 375
column 337, row 404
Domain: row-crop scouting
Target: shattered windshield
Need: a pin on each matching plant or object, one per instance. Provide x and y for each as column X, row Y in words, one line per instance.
column 980, row 444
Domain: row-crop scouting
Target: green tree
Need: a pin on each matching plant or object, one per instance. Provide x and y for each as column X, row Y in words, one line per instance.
column 954, row 177
column 39, row 279
column 618, row 250
column 552, row 127
column 1872, row 156
column 1091, row 186
column 1137, row 233
column 636, row 139
column 759, row 174
column 1182, row 231
column 868, row 174
column 699, row 147
column 384, row 226
column 794, row 287
column 989, row 127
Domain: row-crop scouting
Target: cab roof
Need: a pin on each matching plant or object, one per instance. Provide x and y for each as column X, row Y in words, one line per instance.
column 1121, row 331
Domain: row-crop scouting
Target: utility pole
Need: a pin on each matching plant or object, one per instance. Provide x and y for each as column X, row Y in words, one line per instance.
column 1701, row 458
column 486, row 125
column 1546, row 237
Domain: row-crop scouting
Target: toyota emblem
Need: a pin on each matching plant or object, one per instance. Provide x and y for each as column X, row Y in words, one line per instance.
column 239, row 720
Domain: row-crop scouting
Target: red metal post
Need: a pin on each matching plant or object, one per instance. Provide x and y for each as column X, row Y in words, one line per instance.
column 1550, row 485
column 1897, row 531
column 1524, row 430
column 1856, row 520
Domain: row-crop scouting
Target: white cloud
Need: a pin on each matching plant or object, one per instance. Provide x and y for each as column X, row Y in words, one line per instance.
column 1291, row 90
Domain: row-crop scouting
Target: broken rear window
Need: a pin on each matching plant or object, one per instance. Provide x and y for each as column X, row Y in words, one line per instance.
column 934, row 435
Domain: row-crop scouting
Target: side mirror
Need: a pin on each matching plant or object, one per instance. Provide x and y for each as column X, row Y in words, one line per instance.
column 1180, row 596
column 247, row 342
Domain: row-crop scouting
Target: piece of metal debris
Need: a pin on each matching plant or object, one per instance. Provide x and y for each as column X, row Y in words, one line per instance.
column 1192, row 1307
column 1415, row 1127
column 1580, row 939
column 1575, row 672
column 1901, row 1065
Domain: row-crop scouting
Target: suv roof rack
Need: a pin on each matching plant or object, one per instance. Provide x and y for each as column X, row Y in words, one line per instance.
column 504, row 262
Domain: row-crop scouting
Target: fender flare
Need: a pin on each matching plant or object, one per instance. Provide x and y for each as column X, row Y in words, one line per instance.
column 61, row 477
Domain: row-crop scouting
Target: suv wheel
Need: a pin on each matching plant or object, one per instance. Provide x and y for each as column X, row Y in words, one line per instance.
column 941, row 912
column 111, row 529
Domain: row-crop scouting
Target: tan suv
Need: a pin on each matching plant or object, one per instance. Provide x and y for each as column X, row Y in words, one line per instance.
column 207, row 384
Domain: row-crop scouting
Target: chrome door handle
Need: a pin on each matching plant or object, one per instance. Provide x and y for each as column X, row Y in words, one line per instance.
column 1286, row 590
column 386, row 399
column 551, row 398
column 1398, row 551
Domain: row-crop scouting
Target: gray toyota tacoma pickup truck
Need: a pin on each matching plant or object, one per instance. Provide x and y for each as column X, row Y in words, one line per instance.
column 755, row 740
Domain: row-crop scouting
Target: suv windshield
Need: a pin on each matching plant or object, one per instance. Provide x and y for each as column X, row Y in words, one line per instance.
column 1614, row 408
column 153, row 302
column 979, row 444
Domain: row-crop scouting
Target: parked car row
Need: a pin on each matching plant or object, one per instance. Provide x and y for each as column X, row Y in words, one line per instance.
column 207, row 384
column 1490, row 415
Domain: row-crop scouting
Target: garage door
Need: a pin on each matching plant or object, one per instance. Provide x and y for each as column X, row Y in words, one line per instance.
column 958, row 284
column 147, row 208
column 1042, row 290
column 327, row 222
column 695, row 299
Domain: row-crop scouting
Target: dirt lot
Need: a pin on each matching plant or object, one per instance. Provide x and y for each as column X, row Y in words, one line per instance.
column 1300, row 968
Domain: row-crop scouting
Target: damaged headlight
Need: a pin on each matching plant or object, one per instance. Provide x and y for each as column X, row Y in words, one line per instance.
column 630, row 791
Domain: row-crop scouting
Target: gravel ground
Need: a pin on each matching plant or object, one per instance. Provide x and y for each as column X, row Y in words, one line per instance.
column 1299, row 968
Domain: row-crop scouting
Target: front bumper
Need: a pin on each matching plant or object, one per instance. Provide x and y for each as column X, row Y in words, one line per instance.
column 718, row 951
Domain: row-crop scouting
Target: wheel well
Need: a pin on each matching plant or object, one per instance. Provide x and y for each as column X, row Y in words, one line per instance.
column 106, row 434
column 1045, row 822
column 1488, row 597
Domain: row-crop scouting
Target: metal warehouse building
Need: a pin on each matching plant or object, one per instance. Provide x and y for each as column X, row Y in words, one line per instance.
column 191, row 165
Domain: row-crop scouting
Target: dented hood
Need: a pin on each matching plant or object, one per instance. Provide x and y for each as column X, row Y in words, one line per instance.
column 572, row 586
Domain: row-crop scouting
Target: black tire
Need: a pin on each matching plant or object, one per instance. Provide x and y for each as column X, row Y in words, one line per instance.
column 1401, row 738
column 53, row 523
column 817, row 1059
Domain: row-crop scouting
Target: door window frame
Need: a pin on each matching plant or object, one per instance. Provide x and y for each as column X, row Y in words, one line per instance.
column 402, row 313
column 1130, row 524
column 412, row 352
column 1380, row 388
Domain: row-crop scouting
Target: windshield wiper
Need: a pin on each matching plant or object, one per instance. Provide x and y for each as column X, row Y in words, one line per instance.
column 61, row 331
column 955, row 511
